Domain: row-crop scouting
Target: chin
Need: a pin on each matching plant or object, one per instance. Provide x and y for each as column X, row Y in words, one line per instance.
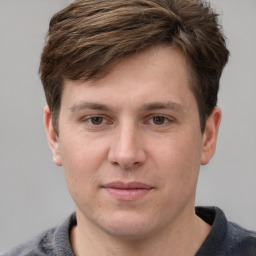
column 128, row 227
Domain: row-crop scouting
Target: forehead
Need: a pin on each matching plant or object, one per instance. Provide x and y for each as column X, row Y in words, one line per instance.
column 157, row 59
column 155, row 74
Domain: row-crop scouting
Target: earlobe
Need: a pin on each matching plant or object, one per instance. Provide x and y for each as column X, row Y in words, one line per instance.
column 210, row 135
column 52, row 136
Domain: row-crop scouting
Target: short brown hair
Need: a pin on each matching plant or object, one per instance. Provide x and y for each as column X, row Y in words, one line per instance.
column 86, row 37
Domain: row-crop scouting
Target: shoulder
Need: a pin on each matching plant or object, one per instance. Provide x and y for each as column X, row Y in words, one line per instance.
column 42, row 244
column 244, row 240
column 226, row 238
column 52, row 242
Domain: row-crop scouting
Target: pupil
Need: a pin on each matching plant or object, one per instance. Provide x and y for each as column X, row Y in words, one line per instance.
column 158, row 120
column 97, row 120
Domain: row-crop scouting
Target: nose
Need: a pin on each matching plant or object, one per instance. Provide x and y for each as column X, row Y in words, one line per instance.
column 127, row 148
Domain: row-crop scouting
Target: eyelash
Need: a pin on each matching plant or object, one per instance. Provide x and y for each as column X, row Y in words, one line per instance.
column 149, row 120
column 166, row 120
column 90, row 118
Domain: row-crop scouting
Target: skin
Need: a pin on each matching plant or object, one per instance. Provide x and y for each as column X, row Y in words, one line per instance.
column 138, row 123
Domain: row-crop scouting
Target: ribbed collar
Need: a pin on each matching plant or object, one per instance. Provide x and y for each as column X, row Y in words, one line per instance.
column 62, row 237
column 217, row 219
column 212, row 215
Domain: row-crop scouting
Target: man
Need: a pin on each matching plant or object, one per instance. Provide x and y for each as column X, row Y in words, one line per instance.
column 131, row 90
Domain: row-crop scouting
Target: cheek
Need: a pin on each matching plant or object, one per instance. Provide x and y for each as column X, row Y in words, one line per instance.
column 178, row 158
column 81, row 161
column 80, row 168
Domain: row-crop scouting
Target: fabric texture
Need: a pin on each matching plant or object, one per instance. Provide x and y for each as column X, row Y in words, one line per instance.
column 225, row 239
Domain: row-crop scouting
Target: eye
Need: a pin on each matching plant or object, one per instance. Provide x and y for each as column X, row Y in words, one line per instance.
column 159, row 120
column 96, row 120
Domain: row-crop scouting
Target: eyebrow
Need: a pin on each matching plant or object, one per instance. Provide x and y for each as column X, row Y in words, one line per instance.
column 88, row 105
column 163, row 105
column 146, row 107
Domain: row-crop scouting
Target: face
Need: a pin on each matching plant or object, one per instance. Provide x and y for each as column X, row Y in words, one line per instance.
column 131, row 145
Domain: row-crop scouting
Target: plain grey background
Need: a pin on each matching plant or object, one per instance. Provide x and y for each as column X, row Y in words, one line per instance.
column 33, row 191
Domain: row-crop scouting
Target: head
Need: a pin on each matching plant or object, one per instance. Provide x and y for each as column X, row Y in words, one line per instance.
column 132, row 88
column 85, row 40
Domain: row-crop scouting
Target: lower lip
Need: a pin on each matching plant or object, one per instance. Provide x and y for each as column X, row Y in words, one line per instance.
column 127, row 194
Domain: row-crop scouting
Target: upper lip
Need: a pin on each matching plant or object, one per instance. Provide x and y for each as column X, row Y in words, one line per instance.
column 125, row 185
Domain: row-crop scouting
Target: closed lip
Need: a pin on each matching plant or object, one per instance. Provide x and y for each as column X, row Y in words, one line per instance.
column 125, row 185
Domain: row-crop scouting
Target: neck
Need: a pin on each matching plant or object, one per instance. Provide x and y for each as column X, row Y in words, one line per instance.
column 179, row 240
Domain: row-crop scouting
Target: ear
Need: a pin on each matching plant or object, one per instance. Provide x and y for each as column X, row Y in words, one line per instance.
column 210, row 135
column 52, row 136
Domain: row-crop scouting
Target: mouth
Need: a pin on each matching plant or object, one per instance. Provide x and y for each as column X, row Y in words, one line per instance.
column 127, row 191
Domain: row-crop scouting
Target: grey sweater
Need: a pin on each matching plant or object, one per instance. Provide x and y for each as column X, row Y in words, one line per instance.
column 226, row 238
